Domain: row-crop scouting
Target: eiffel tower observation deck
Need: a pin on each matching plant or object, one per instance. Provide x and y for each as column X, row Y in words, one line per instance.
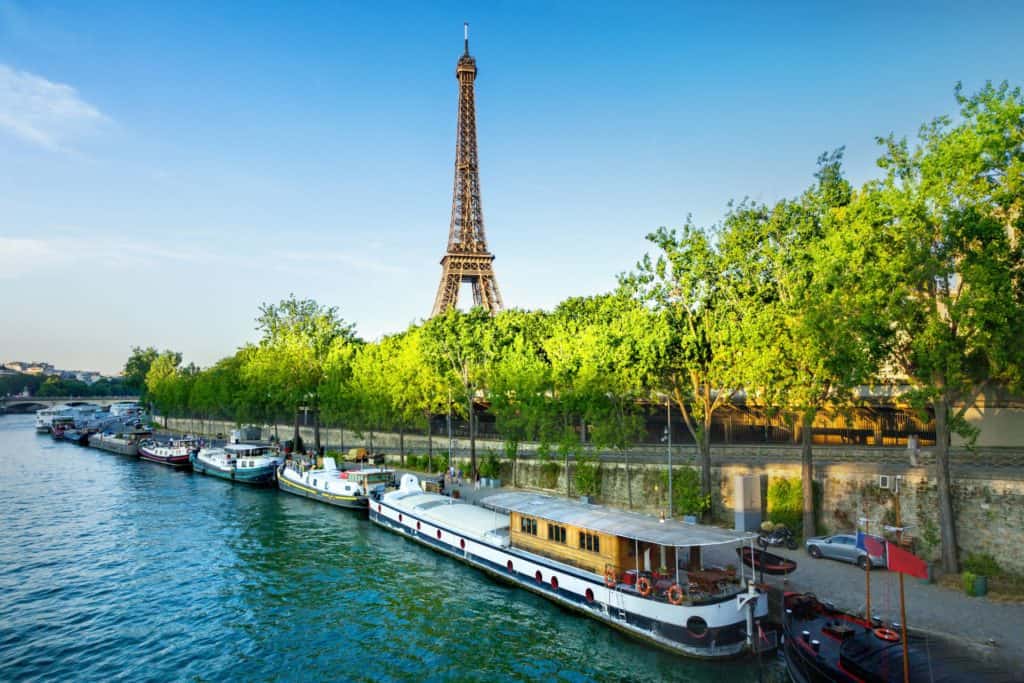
column 467, row 258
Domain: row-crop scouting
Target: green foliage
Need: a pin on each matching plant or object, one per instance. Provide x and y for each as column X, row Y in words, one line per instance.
column 982, row 564
column 491, row 466
column 967, row 580
column 137, row 367
column 785, row 504
column 549, row 471
column 687, row 498
column 587, row 475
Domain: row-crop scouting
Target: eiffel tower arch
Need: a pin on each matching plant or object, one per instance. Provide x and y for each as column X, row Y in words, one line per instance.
column 467, row 258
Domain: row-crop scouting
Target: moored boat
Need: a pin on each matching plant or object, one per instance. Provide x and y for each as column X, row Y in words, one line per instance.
column 328, row 484
column 46, row 416
column 175, row 452
column 114, row 442
column 770, row 563
column 79, row 437
column 244, row 463
column 822, row 644
column 653, row 580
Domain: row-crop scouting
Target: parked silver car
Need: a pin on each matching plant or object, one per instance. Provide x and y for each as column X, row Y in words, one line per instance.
column 841, row 547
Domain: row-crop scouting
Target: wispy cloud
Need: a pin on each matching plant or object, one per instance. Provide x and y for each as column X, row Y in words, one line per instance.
column 331, row 258
column 24, row 256
column 42, row 112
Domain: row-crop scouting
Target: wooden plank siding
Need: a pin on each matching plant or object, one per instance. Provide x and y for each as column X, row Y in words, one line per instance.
column 616, row 551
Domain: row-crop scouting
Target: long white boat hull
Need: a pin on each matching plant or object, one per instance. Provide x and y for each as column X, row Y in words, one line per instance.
column 660, row 623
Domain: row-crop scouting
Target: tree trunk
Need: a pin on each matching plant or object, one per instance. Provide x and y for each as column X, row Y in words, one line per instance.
column 295, row 435
column 370, row 453
column 401, row 444
column 704, row 446
column 472, row 440
column 430, row 447
column 316, row 430
column 947, row 522
column 629, row 479
column 807, row 472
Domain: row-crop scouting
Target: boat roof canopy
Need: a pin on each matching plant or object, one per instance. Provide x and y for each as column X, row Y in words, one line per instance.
column 613, row 522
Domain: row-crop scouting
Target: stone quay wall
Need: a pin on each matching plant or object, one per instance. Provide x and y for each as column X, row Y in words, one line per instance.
column 988, row 482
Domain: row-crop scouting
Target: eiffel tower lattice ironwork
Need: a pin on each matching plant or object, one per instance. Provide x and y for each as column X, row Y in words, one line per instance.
column 467, row 258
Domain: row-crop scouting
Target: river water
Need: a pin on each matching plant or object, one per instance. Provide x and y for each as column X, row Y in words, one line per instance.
column 113, row 567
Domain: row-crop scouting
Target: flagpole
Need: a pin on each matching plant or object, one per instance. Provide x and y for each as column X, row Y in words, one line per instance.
column 903, row 604
column 867, row 569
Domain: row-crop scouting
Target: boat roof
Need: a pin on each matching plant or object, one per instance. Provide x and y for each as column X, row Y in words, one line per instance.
column 614, row 522
column 452, row 514
column 240, row 447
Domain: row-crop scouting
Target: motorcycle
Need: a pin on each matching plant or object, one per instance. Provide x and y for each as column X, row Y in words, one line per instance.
column 779, row 535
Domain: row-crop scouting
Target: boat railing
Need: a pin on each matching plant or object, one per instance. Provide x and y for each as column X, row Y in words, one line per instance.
column 693, row 587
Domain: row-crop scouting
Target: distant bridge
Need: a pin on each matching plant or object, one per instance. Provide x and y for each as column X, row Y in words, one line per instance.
column 30, row 404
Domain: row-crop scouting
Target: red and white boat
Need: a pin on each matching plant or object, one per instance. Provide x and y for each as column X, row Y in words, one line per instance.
column 175, row 452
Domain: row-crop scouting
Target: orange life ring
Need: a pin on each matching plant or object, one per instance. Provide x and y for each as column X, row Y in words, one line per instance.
column 887, row 634
column 675, row 594
column 610, row 579
column 643, row 586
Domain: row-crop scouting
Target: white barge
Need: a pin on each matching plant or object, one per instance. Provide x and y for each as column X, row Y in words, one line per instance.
column 653, row 580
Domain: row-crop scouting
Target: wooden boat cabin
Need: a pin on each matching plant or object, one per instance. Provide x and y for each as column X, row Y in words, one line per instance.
column 668, row 561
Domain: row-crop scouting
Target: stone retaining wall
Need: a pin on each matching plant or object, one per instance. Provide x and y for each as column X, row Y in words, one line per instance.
column 988, row 489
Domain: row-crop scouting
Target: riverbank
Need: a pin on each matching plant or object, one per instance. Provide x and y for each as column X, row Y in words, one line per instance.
column 988, row 496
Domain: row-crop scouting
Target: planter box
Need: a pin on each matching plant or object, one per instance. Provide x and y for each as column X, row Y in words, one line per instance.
column 690, row 519
column 980, row 586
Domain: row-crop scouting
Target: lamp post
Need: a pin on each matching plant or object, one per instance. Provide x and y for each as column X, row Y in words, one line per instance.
column 667, row 438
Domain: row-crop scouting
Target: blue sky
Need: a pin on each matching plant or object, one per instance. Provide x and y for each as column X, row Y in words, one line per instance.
column 167, row 167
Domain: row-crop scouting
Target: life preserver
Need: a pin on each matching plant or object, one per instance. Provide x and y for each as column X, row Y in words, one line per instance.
column 643, row 586
column 610, row 579
column 887, row 634
column 675, row 594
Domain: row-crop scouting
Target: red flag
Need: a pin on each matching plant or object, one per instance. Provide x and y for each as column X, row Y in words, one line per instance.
column 907, row 563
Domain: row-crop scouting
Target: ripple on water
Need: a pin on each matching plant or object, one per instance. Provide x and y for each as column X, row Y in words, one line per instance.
column 115, row 568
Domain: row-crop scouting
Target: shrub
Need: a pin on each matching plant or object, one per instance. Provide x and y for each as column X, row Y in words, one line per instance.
column 786, row 504
column 981, row 564
column 587, row 475
column 490, row 468
column 686, row 495
column 967, row 578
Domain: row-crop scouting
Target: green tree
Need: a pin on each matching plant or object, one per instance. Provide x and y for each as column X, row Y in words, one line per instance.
column 699, row 369
column 137, row 367
column 455, row 344
column 948, row 217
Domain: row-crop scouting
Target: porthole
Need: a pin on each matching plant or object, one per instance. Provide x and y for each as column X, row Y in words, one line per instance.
column 462, row 543
column 539, row 577
column 589, row 595
column 554, row 582
column 509, row 565
column 439, row 534
column 418, row 527
column 697, row 627
column 399, row 516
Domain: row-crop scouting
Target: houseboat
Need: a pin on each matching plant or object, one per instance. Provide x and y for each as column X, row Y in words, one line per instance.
column 244, row 463
column 46, row 416
column 175, row 452
column 115, row 442
column 328, row 484
column 658, row 581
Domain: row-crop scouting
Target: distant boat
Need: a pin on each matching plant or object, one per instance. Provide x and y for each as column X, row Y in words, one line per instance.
column 243, row 463
column 46, row 416
column 79, row 437
column 174, row 453
column 342, row 488
column 762, row 559
column 115, row 442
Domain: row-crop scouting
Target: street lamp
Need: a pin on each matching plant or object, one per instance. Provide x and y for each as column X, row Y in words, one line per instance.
column 667, row 438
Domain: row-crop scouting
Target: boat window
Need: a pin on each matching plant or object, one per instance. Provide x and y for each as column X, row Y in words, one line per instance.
column 528, row 525
column 556, row 533
column 589, row 541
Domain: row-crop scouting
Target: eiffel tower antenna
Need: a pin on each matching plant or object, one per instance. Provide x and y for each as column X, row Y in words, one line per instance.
column 467, row 258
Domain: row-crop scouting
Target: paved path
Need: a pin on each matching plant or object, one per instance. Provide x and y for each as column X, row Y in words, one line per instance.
column 930, row 607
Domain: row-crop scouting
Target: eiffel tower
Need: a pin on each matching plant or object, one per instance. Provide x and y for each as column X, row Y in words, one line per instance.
column 467, row 258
